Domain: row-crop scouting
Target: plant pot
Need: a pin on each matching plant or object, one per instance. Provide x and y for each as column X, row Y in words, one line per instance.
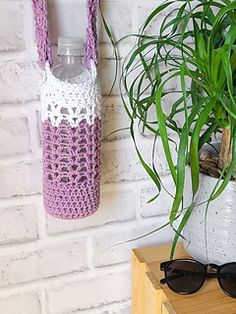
column 212, row 240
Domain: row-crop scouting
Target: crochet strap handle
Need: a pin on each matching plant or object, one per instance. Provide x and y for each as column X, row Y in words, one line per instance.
column 42, row 34
column 91, row 41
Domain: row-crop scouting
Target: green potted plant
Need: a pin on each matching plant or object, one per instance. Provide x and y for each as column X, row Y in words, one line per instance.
column 195, row 46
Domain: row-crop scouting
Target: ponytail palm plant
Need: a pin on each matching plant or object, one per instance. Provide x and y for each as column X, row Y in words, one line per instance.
column 195, row 46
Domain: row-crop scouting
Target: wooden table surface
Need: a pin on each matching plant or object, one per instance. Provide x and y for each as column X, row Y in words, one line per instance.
column 149, row 297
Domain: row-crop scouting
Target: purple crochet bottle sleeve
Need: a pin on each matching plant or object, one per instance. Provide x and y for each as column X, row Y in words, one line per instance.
column 71, row 169
column 71, row 128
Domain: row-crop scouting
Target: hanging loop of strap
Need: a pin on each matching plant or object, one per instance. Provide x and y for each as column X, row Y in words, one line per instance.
column 91, row 41
column 41, row 31
column 42, row 34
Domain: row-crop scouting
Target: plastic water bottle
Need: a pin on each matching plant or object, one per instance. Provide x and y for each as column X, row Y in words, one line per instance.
column 70, row 52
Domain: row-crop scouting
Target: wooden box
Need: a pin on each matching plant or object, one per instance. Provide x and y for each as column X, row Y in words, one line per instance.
column 149, row 297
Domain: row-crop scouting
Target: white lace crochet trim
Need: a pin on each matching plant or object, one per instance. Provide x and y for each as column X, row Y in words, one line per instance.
column 70, row 103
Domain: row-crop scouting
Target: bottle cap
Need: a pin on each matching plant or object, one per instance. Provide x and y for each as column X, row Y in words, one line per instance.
column 70, row 46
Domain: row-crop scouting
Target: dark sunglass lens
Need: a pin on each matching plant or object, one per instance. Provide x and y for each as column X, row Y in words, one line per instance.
column 227, row 278
column 185, row 276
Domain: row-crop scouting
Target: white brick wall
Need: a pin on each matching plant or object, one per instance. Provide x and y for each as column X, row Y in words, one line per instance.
column 19, row 81
column 75, row 296
column 20, row 178
column 21, row 303
column 11, row 29
column 50, row 266
column 22, row 226
column 19, row 136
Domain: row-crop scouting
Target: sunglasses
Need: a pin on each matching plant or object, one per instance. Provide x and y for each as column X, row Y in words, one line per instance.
column 186, row 276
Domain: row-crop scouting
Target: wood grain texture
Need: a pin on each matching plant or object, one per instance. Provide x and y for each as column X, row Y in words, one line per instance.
column 149, row 297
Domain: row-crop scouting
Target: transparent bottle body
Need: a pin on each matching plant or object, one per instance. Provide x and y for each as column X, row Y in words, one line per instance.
column 70, row 69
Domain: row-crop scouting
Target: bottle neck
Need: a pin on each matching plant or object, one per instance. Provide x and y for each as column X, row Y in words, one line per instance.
column 71, row 60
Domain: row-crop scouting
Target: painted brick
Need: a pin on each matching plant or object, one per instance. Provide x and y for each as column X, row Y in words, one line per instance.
column 113, row 248
column 106, row 74
column 168, row 101
column 150, row 5
column 127, row 310
column 145, row 8
column 161, row 205
column 118, row 17
column 109, row 309
column 114, row 118
column 167, row 104
column 22, row 303
column 44, row 261
column 143, row 11
column 76, row 296
column 19, row 81
column 39, row 127
column 115, row 206
column 14, row 136
column 21, row 226
column 11, row 29
column 106, row 51
column 21, row 178
column 123, row 165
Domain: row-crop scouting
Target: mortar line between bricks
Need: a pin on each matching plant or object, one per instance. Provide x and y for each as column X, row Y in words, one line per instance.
column 105, row 184
column 19, row 102
column 55, row 238
column 23, row 158
column 43, row 302
column 41, row 224
column 119, row 186
column 90, row 252
column 71, row 235
column 18, row 196
column 25, row 110
column 6, row 2
column 61, row 279
column 6, row 56
column 21, row 106
column 108, row 307
column 108, row 227
column 20, row 200
column 138, row 204
column 33, row 129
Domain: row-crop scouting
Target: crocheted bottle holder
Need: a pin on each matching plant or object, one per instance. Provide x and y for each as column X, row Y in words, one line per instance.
column 71, row 127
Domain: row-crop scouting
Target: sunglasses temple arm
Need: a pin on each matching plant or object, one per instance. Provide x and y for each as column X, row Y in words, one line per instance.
column 162, row 281
column 163, row 265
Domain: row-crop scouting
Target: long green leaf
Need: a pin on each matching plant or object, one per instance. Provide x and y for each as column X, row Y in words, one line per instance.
column 194, row 146
column 180, row 229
